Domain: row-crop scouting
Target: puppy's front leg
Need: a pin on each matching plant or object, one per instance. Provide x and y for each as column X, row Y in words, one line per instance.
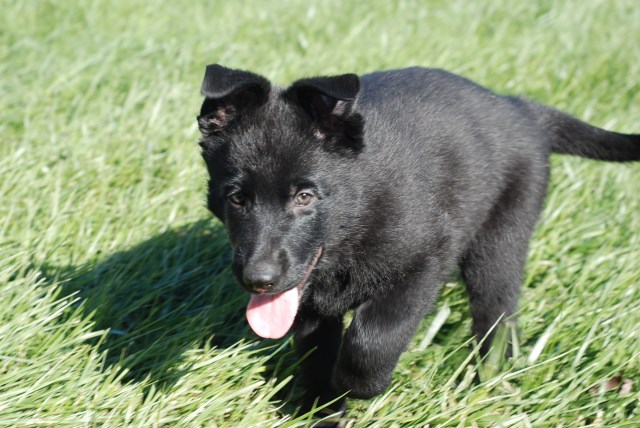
column 321, row 337
column 380, row 331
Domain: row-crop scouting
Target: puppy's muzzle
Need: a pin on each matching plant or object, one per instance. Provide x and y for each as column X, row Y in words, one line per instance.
column 261, row 276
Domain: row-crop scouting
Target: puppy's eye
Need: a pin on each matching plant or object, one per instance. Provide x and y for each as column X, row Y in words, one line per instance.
column 304, row 198
column 236, row 198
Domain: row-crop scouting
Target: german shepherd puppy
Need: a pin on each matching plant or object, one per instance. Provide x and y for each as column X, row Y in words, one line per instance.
column 366, row 193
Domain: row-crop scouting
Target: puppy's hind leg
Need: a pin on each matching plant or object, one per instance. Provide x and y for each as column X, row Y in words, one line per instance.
column 494, row 262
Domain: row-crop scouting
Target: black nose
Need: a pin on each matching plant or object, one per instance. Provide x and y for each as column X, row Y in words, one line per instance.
column 261, row 276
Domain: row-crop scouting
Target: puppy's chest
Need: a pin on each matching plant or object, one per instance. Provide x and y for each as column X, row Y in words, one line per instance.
column 334, row 291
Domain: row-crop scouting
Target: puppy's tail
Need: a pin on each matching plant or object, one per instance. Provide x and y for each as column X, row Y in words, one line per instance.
column 573, row 137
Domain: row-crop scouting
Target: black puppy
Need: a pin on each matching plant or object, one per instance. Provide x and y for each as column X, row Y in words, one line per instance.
column 366, row 193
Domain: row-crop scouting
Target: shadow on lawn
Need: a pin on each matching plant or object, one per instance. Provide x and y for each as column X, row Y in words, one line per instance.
column 163, row 297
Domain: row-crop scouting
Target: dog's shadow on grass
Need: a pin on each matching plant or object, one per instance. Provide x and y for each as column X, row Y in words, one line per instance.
column 160, row 298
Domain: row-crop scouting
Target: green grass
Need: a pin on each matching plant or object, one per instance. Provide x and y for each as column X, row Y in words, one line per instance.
column 116, row 304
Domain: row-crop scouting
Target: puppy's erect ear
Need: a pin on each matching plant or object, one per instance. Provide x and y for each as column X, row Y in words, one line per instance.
column 229, row 93
column 322, row 97
column 329, row 101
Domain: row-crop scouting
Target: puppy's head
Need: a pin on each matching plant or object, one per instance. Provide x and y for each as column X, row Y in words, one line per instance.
column 278, row 160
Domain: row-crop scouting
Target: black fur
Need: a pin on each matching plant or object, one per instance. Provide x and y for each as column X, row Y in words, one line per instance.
column 412, row 173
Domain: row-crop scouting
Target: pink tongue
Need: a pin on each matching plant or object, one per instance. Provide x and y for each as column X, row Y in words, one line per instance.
column 271, row 317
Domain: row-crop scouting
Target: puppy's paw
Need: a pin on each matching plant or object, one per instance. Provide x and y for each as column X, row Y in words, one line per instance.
column 358, row 386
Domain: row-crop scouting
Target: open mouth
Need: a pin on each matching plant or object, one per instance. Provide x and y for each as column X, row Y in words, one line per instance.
column 271, row 315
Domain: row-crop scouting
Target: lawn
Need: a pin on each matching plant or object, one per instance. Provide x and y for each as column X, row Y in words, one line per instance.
column 117, row 306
